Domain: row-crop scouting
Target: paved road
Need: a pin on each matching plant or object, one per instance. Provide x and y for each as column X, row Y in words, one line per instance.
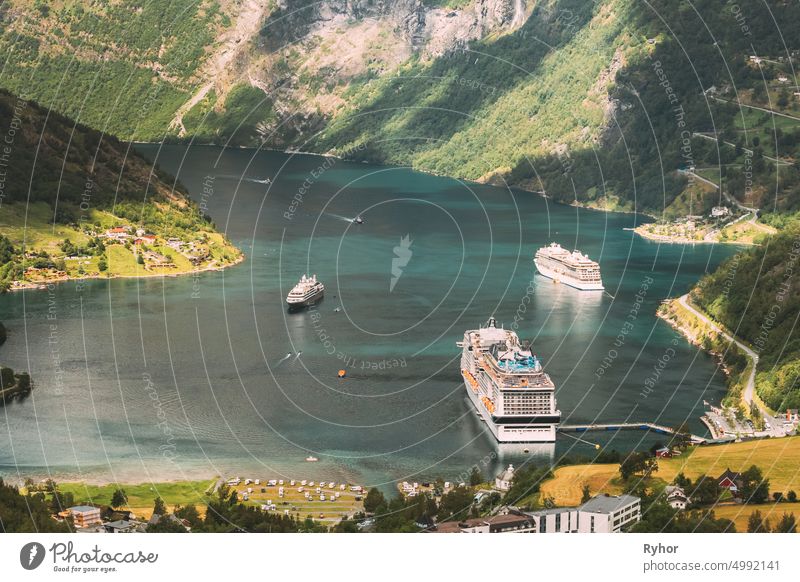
column 764, row 109
column 775, row 425
column 749, row 151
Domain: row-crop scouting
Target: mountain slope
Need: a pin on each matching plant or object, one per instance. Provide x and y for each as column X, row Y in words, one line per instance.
column 64, row 187
column 596, row 103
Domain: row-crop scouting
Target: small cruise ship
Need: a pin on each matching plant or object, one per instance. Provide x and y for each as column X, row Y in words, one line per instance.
column 307, row 292
column 572, row 268
column 508, row 387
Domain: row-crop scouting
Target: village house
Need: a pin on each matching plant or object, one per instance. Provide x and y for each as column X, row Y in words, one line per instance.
column 119, row 233
column 503, row 481
column 730, row 480
column 676, row 497
column 508, row 523
column 664, row 453
column 124, row 526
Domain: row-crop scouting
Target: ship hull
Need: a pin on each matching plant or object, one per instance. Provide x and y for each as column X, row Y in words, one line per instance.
column 512, row 432
column 293, row 306
column 567, row 280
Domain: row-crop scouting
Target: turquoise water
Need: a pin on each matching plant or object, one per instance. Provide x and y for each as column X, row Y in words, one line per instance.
column 182, row 377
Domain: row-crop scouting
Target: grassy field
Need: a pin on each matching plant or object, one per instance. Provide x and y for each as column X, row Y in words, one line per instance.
column 300, row 507
column 142, row 495
column 740, row 513
column 35, row 229
column 745, row 232
column 778, row 459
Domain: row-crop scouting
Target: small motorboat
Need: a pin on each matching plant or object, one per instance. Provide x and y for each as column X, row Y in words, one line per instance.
column 358, row 220
column 337, row 310
column 311, row 459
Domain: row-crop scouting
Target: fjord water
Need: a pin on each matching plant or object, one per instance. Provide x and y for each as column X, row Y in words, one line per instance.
column 168, row 378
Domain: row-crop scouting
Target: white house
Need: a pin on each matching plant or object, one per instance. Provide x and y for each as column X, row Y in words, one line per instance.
column 503, row 481
column 676, row 497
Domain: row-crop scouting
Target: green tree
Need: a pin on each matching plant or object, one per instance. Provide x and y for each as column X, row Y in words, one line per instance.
column 754, row 487
column 159, row 506
column 60, row 501
column 26, row 513
column 190, row 514
column 638, row 463
column 455, row 504
column 705, row 491
column 791, row 496
column 475, row 477
column 756, row 523
column 119, row 498
column 787, row 524
column 586, row 494
column 373, row 500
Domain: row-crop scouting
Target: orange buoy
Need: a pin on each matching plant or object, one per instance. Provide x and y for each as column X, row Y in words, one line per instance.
column 342, row 373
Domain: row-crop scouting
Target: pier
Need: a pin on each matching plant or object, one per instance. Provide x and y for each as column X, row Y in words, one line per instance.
column 617, row 426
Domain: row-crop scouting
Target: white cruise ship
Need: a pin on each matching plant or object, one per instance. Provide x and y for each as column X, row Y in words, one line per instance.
column 307, row 292
column 508, row 387
column 572, row 268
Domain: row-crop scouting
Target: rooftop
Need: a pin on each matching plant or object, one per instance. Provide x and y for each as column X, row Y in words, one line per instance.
column 495, row 520
column 608, row 503
column 83, row 508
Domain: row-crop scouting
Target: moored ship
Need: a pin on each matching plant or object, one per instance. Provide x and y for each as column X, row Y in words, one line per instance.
column 572, row 268
column 307, row 292
column 508, row 387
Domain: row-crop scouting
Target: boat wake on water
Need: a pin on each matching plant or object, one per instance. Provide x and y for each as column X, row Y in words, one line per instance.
column 245, row 179
column 284, row 358
column 339, row 217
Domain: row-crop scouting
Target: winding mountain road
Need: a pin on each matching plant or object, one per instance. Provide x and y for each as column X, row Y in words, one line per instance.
column 775, row 427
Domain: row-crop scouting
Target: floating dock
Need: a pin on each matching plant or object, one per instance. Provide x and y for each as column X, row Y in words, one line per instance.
column 613, row 427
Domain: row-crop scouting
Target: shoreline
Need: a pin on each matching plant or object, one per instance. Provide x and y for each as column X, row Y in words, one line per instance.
column 29, row 286
column 667, row 239
column 289, row 152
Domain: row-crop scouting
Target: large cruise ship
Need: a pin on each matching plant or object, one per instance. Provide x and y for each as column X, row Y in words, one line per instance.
column 508, row 387
column 307, row 291
column 572, row 268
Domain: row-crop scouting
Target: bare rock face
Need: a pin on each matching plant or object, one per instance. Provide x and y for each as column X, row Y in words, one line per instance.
column 433, row 31
column 334, row 42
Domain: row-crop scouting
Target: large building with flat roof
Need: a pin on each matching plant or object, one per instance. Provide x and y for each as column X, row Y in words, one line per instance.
column 85, row 515
column 601, row 514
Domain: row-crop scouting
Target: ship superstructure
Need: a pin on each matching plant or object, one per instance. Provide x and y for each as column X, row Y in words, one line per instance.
column 572, row 268
column 508, row 387
column 307, row 291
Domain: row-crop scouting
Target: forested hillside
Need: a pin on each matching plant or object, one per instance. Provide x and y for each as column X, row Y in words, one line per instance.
column 599, row 103
column 757, row 294
column 63, row 184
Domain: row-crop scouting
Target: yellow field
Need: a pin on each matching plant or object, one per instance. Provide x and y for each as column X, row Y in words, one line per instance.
column 778, row 459
column 740, row 513
column 567, row 482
